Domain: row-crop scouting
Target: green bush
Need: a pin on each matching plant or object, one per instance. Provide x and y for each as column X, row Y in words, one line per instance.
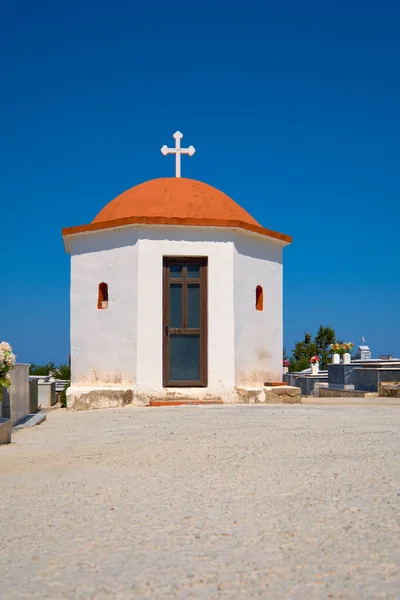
column 63, row 395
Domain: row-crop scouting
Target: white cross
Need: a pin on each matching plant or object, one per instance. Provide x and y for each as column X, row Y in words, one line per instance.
column 178, row 151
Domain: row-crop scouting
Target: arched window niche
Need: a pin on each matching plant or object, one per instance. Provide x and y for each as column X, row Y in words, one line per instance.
column 102, row 300
column 259, row 298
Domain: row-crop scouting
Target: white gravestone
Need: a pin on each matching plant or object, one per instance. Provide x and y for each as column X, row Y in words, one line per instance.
column 364, row 352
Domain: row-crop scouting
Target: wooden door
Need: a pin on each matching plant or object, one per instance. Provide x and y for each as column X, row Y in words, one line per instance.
column 185, row 322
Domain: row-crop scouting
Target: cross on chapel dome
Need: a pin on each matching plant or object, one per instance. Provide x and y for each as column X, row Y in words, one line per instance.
column 177, row 151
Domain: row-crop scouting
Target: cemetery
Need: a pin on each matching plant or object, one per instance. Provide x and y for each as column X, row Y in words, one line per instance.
column 151, row 327
column 22, row 396
column 359, row 376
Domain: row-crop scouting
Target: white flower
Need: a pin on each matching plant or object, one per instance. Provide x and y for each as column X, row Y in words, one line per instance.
column 5, row 346
column 10, row 359
column 2, row 356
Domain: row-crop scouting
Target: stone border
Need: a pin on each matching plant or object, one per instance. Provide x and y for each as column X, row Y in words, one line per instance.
column 5, row 431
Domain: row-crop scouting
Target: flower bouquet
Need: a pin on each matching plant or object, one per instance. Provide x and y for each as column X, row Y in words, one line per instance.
column 337, row 349
column 7, row 361
column 314, row 361
column 348, row 346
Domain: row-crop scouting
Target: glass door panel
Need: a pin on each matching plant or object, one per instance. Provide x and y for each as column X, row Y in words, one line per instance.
column 185, row 322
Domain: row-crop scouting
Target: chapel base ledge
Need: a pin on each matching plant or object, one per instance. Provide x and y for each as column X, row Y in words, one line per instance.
column 284, row 394
column 93, row 397
column 99, row 397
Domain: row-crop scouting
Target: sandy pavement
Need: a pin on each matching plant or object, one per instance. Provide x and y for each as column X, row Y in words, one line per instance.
column 242, row 501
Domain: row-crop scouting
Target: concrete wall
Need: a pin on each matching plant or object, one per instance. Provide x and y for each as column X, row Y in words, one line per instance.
column 103, row 342
column 258, row 334
column 341, row 376
column 33, row 396
column 369, row 380
column 47, row 393
column 308, row 384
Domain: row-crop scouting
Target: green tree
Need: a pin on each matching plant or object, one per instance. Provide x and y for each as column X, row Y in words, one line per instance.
column 324, row 338
column 63, row 372
column 309, row 347
column 42, row 369
column 60, row 372
column 302, row 353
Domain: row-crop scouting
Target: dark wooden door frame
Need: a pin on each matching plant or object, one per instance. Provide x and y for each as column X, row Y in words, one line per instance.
column 202, row 330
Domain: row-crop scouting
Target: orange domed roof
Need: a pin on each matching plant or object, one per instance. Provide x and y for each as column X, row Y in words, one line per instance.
column 174, row 202
column 172, row 198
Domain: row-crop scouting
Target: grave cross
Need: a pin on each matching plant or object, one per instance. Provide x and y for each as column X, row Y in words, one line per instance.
column 178, row 151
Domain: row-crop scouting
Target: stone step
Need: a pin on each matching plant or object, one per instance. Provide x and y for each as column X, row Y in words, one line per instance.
column 30, row 421
column 334, row 393
column 183, row 402
column 5, row 431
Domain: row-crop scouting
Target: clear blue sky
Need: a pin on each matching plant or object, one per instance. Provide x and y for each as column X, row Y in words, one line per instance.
column 293, row 108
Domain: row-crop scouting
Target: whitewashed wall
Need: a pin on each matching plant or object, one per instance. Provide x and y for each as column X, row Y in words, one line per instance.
column 103, row 342
column 258, row 334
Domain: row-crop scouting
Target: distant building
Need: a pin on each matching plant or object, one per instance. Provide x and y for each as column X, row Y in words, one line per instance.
column 364, row 353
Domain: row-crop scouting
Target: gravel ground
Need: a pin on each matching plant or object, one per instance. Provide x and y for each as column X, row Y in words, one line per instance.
column 296, row 502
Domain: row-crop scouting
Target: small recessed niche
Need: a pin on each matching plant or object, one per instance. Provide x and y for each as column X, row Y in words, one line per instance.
column 102, row 300
column 259, row 298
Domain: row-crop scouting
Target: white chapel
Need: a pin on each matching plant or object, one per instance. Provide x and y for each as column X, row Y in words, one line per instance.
column 176, row 295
